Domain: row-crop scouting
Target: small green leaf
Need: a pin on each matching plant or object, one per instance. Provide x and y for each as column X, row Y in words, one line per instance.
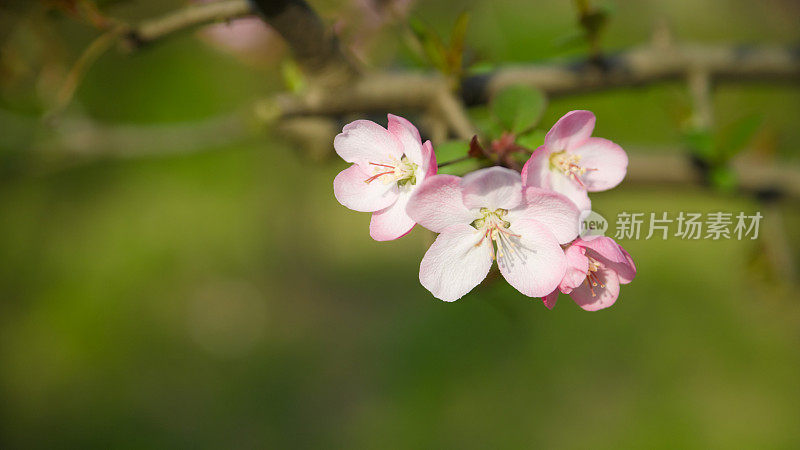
column 518, row 108
column 723, row 178
column 701, row 143
column 432, row 45
column 737, row 135
column 292, row 76
column 455, row 54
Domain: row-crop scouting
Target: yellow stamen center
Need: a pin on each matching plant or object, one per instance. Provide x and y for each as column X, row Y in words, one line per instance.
column 569, row 165
column 591, row 276
column 402, row 172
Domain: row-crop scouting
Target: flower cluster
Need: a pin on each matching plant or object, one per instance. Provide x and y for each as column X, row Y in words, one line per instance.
column 527, row 222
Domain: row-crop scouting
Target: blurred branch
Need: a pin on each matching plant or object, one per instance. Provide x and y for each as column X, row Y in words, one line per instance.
column 314, row 46
column 674, row 168
column 777, row 244
column 640, row 66
column 454, row 114
column 189, row 17
column 338, row 88
column 97, row 48
column 699, row 81
column 86, row 140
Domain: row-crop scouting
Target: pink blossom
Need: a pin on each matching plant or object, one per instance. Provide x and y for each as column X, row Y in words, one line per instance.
column 388, row 166
column 595, row 270
column 484, row 209
column 572, row 162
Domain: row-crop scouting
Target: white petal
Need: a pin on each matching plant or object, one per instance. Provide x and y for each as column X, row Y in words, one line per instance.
column 364, row 141
column 437, row 204
column 533, row 263
column 408, row 135
column 351, row 190
column 455, row 263
column 493, row 188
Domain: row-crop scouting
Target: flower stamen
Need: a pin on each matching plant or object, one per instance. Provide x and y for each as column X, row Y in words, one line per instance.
column 592, row 279
column 568, row 164
column 496, row 229
column 403, row 172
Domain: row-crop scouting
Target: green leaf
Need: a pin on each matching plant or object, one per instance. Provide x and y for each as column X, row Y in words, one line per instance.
column 518, row 108
column 735, row 137
column 292, row 76
column 723, row 178
column 455, row 54
column 701, row 143
column 431, row 44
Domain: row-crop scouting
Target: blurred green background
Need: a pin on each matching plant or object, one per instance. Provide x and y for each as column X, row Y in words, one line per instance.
column 215, row 295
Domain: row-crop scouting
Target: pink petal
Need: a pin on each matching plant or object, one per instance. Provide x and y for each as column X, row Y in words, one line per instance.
column 534, row 262
column 550, row 299
column 570, row 189
column 351, row 190
column 364, row 141
column 391, row 222
column 611, row 255
column 437, row 204
column 609, row 160
column 571, row 131
column 455, row 263
column 493, row 188
column 604, row 296
column 551, row 209
column 577, row 267
column 536, row 171
column 408, row 135
column 430, row 156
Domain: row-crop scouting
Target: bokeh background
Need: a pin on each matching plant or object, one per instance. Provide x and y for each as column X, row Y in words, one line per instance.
column 206, row 290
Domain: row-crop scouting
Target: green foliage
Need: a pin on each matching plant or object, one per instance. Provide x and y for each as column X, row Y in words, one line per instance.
column 447, row 58
column 723, row 178
column 518, row 108
column 735, row 136
column 293, row 77
column 720, row 147
column 592, row 21
column 717, row 149
column 701, row 143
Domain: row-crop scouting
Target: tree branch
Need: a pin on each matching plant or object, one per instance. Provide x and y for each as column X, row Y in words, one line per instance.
column 674, row 168
column 639, row 66
column 189, row 17
column 314, row 46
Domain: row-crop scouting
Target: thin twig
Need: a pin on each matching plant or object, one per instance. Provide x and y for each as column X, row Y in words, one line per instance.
column 96, row 49
column 455, row 114
column 186, row 18
column 454, row 161
column 386, row 91
column 315, row 48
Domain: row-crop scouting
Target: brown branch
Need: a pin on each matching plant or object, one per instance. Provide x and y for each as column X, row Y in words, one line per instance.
column 82, row 139
column 700, row 87
column 314, row 46
column 644, row 65
column 674, row 168
column 189, row 17
column 454, row 114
